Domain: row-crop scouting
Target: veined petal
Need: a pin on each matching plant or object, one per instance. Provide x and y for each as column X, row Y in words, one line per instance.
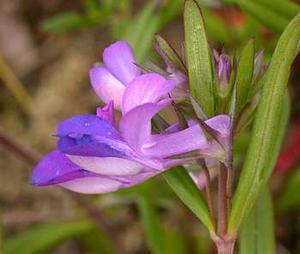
column 162, row 146
column 144, row 89
column 106, row 86
column 119, row 60
column 107, row 165
column 135, row 126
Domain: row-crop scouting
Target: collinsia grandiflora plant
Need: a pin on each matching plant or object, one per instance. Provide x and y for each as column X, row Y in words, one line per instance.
column 98, row 154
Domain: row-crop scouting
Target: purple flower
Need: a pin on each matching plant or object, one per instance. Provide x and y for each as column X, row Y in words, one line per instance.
column 94, row 156
column 110, row 80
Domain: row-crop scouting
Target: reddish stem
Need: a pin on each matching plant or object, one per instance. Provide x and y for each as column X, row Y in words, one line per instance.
column 223, row 201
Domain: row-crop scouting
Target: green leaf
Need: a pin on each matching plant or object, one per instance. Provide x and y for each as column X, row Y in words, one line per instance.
column 257, row 231
column 41, row 238
column 198, row 57
column 171, row 53
column 290, row 197
column 282, row 126
column 64, row 22
column 262, row 149
column 152, row 225
column 185, row 188
column 244, row 74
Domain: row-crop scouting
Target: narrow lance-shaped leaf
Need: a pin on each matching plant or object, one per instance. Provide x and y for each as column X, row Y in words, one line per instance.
column 198, row 57
column 282, row 126
column 152, row 225
column 244, row 74
column 257, row 231
column 261, row 150
column 185, row 188
column 171, row 53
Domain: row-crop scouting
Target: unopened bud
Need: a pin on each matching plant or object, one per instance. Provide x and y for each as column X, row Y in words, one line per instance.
column 224, row 69
column 258, row 64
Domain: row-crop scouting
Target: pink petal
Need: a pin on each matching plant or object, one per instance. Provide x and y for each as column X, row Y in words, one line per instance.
column 184, row 141
column 107, row 112
column 107, row 165
column 92, row 185
column 106, row 86
column 144, row 89
column 220, row 123
column 119, row 60
column 135, row 126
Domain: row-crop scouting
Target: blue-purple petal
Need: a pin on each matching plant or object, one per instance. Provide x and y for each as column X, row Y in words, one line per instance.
column 93, row 125
column 86, row 145
column 55, row 168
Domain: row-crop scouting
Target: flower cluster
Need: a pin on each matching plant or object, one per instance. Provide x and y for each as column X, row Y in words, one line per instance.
column 96, row 154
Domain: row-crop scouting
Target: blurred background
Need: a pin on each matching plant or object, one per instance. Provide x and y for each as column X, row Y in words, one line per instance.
column 46, row 51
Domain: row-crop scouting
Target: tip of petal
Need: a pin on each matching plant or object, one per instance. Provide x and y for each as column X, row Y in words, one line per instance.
column 220, row 123
column 55, row 168
column 119, row 60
